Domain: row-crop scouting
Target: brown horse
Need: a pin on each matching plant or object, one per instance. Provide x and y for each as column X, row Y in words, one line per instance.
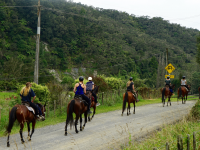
column 199, row 92
column 77, row 106
column 128, row 98
column 22, row 114
column 166, row 94
column 93, row 104
column 183, row 93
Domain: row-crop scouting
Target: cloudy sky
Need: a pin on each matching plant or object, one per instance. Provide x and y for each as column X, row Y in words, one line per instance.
column 183, row 12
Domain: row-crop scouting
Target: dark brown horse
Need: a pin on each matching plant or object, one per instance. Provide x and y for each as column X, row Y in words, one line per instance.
column 128, row 98
column 79, row 107
column 166, row 94
column 93, row 104
column 183, row 93
column 23, row 115
column 199, row 92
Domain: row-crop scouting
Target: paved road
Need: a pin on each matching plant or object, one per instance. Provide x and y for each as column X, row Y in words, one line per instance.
column 106, row 131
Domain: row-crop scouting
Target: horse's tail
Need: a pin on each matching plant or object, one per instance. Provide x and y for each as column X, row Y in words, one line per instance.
column 12, row 119
column 70, row 115
column 163, row 93
column 180, row 92
column 125, row 100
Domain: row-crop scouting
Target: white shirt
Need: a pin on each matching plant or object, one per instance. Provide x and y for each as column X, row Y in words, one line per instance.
column 183, row 82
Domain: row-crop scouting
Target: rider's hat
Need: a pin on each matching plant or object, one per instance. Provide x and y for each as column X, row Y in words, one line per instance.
column 183, row 77
column 81, row 78
column 168, row 77
column 130, row 78
column 90, row 78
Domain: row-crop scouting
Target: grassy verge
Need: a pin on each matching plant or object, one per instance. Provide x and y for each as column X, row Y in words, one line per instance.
column 110, row 104
column 169, row 134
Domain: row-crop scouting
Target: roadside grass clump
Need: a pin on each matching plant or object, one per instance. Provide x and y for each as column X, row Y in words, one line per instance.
column 169, row 132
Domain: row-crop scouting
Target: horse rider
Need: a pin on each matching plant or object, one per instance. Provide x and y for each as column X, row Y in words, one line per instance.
column 184, row 83
column 26, row 94
column 90, row 87
column 130, row 87
column 168, row 83
column 80, row 89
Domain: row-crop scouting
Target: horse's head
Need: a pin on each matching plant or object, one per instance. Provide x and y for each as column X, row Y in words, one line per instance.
column 96, row 89
column 43, row 109
column 173, row 86
column 189, row 86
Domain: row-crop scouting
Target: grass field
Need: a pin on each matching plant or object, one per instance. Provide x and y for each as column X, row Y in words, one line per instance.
column 169, row 134
column 109, row 105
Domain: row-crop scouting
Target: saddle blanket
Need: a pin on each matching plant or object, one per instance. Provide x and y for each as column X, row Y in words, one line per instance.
column 31, row 109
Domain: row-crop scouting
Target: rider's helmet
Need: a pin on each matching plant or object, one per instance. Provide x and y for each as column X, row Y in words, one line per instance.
column 130, row 78
column 167, row 77
column 183, row 77
column 81, row 78
column 90, row 78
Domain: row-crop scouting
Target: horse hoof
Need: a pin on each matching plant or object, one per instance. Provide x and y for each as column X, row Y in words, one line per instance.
column 8, row 145
column 121, row 114
column 29, row 139
column 22, row 142
column 133, row 112
column 76, row 131
column 65, row 134
column 81, row 130
column 83, row 127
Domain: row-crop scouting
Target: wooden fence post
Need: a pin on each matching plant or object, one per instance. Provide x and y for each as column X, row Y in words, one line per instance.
column 54, row 107
column 48, row 109
column 181, row 143
column 0, row 113
column 61, row 105
column 178, row 142
column 102, row 98
column 167, row 146
column 188, row 142
column 194, row 141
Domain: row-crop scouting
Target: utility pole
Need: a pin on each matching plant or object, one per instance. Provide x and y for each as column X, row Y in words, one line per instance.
column 36, row 69
column 166, row 57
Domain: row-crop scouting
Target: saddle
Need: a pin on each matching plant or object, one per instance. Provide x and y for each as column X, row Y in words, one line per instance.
column 28, row 107
column 79, row 97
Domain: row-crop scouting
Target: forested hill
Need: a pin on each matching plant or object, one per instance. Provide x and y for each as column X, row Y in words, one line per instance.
column 108, row 41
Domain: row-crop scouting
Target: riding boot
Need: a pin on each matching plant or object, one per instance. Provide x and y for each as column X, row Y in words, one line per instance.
column 89, row 112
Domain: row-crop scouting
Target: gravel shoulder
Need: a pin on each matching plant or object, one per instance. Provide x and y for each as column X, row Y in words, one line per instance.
column 106, row 131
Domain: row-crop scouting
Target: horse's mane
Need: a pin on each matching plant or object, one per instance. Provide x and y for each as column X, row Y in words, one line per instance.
column 40, row 105
column 95, row 90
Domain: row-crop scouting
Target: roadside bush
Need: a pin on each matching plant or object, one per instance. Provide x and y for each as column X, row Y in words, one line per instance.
column 69, row 81
column 195, row 111
column 8, row 85
column 41, row 92
column 114, row 83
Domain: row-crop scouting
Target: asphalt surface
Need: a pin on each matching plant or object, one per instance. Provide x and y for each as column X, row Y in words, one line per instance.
column 106, row 131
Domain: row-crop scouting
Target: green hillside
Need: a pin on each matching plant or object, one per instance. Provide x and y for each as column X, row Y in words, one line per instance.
column 77, row 35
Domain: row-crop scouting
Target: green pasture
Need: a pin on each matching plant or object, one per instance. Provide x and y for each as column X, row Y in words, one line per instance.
column 109, row 104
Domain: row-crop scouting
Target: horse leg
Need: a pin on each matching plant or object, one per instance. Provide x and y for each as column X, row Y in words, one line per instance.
column 85, row 116
column 94, row 111
column 8, row 144
column 76, row 122
column 21, row 129
column 33, row 128
column 67, row 121
column 167, row 101
column 128, row 108
column 28, row 125
column 81, row 122
column 170, row 101
column 134, row 107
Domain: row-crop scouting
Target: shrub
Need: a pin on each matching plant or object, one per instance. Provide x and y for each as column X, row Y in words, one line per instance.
column 195, row 111
column 41, row 92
